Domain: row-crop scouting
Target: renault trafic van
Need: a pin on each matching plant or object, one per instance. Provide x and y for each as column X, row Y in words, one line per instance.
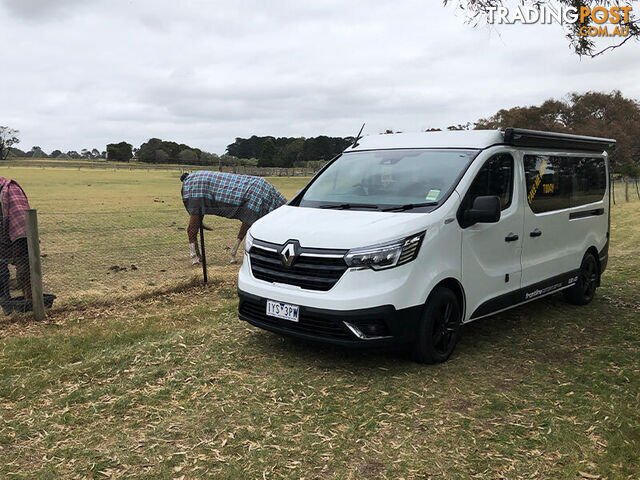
column 404, row 238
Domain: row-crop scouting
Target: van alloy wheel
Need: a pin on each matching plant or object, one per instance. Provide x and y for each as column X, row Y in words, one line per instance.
column 589, row 277
column 583, row 291
column 444, row 327
column 439, row 327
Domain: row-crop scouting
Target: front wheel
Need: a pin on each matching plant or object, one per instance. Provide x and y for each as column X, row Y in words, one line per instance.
column 583, row 291
column 439, row 327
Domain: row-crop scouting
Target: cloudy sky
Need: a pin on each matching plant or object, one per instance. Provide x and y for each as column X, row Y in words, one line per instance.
column 79, row 74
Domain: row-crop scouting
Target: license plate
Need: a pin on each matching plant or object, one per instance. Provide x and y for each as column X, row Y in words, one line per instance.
column 285, row 311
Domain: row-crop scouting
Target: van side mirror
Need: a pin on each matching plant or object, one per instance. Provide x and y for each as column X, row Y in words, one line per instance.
column 485, row 210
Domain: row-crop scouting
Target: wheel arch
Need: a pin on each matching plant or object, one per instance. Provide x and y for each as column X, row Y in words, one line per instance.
column 456, row 287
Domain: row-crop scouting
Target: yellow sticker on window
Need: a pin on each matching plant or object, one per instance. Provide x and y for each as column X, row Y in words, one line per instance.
column 537, row 182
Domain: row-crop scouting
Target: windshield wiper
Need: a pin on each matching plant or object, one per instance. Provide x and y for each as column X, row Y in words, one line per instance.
column 409, row 206
column 348, row 206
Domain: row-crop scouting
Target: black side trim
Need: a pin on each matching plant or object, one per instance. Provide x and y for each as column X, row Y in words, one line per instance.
column 525, row 294
column 586, row 213
column 519, row 137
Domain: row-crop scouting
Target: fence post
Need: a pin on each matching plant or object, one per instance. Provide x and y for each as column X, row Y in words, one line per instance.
column 626, row 190
column 613, row 191
column 35, row 267
column 637, row 190
column 204, row 256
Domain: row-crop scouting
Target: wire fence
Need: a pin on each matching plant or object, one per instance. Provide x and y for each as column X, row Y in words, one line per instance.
column 103, row 256
column 625, row 189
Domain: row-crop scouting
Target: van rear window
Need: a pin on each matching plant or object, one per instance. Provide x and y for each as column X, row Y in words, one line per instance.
column 556, row 183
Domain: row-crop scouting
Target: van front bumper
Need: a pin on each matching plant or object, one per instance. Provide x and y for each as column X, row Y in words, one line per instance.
column 378, row 326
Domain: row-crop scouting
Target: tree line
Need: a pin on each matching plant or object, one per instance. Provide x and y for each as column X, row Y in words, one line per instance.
column 597, row 114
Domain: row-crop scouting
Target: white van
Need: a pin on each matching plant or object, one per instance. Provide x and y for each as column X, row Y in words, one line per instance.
column 405, row 237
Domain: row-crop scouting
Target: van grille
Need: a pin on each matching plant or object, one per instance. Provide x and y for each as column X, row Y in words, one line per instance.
column 313, row 269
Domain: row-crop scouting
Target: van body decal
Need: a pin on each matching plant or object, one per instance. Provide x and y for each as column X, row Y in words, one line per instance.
column 526, row 294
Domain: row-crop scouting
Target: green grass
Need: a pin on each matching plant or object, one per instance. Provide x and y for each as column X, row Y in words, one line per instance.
column 93, row 220
column 175, row 386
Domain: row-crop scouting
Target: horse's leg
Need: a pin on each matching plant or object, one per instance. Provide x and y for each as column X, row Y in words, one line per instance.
column 241, row 234
column 192, row 232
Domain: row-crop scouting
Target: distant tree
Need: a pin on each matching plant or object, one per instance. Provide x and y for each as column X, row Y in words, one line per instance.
column 268, row 154
column 207, row 158
column 188, row 156
column 160, row 156
column 478, row 11
column 433, row 129
column 119, row 152
column 85, row 153
column 95, row 153
column 292, row 152
column 465, row 126
column 73, row 154
column 55, row 154
column 36, row 152
column 8, row 138
column 16, row 152
column 598, row 114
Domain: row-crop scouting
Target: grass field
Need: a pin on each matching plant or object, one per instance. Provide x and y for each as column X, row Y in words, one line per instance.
column 174, row 386
column 95, row 223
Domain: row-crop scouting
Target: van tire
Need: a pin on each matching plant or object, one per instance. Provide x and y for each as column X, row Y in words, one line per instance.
column 439, row 327
column 583, row 291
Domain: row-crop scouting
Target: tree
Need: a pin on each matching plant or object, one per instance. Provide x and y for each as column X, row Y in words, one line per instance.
column 95, row 153
column 8, row 138
column 36, row 152
column 119, row 152
column 55, row 154
column 597, row 114
column 480, row 11
column 73, row 154
column 292, row 152
column 268, row 154
column 188, row 156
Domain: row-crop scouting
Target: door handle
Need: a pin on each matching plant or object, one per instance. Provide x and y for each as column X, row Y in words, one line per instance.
column 536, row 233
column 512, row 237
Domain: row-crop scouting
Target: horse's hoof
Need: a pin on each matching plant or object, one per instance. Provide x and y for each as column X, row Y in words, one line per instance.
column 233, row 261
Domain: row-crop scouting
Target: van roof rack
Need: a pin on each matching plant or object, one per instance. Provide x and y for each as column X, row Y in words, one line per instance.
column 520, row 137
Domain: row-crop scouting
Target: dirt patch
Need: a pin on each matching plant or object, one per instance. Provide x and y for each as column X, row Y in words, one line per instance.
column 371, row 468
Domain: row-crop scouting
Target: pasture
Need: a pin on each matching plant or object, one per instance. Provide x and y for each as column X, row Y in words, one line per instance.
column 109, row 234
column 172, row 385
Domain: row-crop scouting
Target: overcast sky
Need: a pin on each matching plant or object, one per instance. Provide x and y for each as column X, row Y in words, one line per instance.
column 80, row 74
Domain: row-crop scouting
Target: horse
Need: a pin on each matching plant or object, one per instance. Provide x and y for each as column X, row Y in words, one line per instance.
column 242, row 197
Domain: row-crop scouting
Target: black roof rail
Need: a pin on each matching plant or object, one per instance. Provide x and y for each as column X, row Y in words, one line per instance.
column 520, row 137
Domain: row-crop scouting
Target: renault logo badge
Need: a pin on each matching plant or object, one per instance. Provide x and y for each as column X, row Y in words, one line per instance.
column 288, row 254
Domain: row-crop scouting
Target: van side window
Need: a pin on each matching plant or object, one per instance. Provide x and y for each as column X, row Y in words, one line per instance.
column 494, row 178
column 549, row 182
column 556, row 183
column 589, row 181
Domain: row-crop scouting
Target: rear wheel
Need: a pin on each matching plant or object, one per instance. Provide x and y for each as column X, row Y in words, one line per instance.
column 583, row 291
column 439, row 328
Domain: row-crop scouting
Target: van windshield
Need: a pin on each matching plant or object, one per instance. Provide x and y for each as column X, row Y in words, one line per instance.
column 388, row 180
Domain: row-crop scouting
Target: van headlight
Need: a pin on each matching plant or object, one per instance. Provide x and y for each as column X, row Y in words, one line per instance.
column 248, row 243
column 385, row 255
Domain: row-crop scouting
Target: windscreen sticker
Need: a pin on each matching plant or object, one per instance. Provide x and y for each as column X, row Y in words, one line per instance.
column 537, row 181
column 432, row 196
